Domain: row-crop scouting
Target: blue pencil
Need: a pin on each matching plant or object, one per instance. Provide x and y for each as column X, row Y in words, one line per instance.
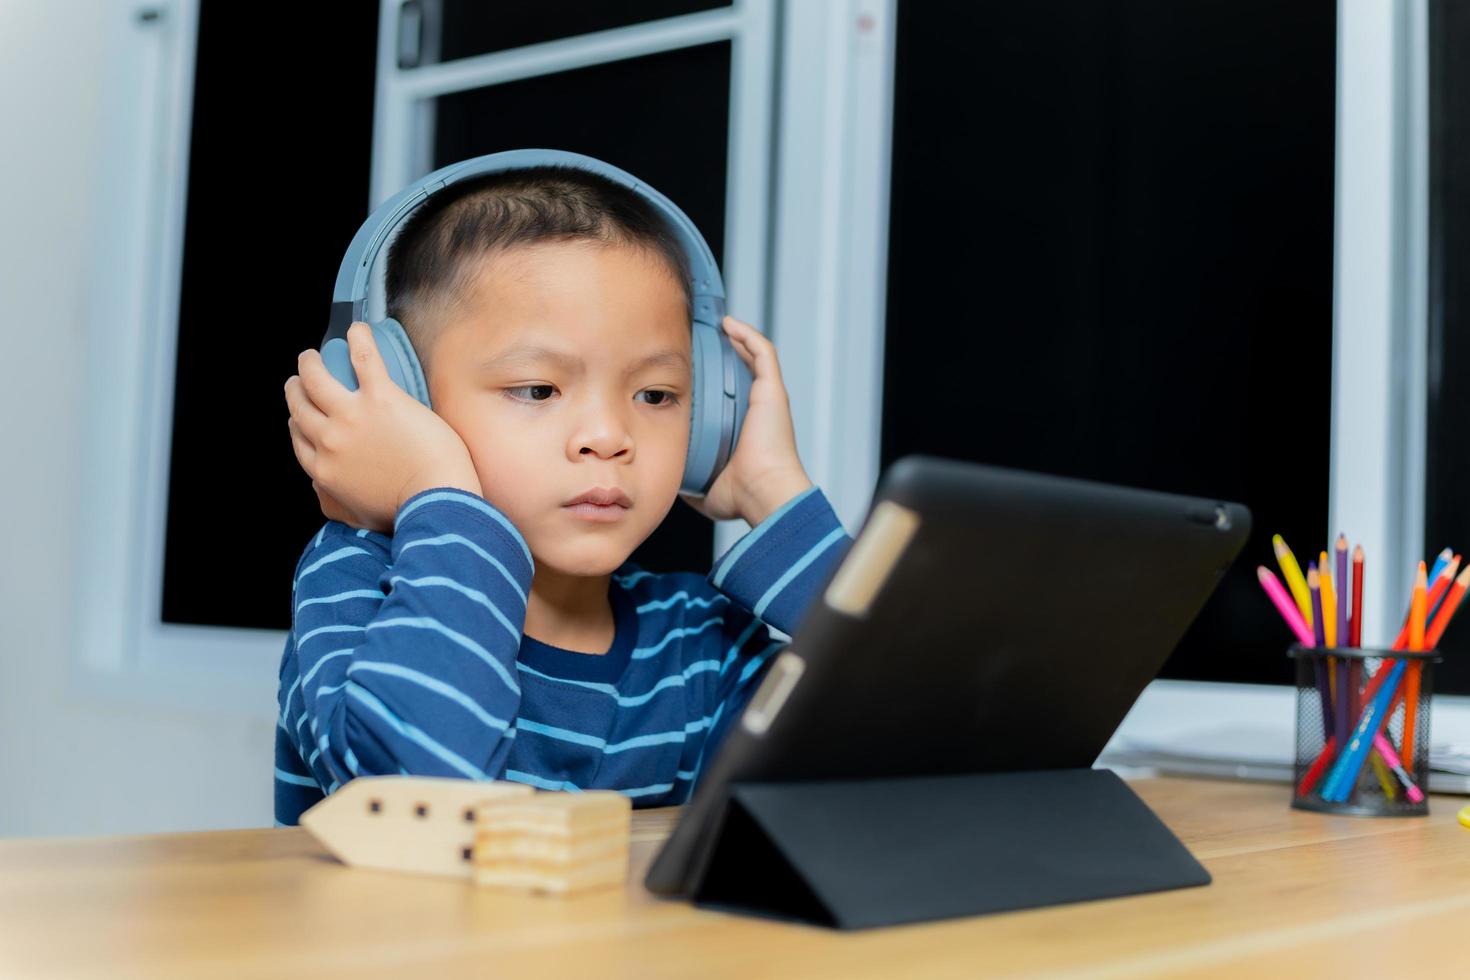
column 1440, row 561
column 1344, row 774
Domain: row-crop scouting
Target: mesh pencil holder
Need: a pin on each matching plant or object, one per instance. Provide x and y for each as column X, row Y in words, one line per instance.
column 1360, row 698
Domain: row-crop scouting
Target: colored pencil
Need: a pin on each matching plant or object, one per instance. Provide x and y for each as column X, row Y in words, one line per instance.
column 1292, row 572
column 1340, row 556
column 1432, row 634
column 1315, row 770
column 1329, row 624
column 1418, row 609
column 1329, row 600
column 1385, row 751
column 1285, row 606
column 1324, row 686
column 1314, row 587
column 1440, row 560
column 1344, row 773
column 1355, row 640
column 1357, row 614
column 1436, row 592
column 1446, row 610
column 1382, row 750
column 1385, row 778
column 1332, row 610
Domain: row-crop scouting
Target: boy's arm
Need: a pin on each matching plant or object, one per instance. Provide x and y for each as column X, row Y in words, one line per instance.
column 773, row 572
column 776, row 568
column 408, row 665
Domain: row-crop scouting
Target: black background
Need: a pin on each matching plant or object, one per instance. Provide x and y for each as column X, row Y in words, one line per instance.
column 1447, row 462
column 1110, row 257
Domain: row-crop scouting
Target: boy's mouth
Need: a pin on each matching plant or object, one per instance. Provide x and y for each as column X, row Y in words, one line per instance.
column 599, row 504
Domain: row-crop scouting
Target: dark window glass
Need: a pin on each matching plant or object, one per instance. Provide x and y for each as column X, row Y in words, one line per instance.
column 1447, row 519
column 1110, row 257
column 471, row 27
column 231, row 466
column 664, row 118
column 273, row 199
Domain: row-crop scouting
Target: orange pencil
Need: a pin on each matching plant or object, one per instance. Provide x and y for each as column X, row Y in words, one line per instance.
column 1447, row 610
column 1437, row 591
column 1443, row 585
column 1417, row 609
column 1329, row 601
column 1329, row 624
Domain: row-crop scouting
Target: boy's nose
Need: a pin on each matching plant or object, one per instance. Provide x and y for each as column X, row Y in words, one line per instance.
column 620, row 452
column 608, row 440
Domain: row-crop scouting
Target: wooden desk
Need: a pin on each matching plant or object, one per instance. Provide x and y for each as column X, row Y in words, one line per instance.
column 1295, row 894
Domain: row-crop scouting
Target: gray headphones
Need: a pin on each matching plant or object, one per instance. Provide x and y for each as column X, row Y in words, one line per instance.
column 721, row 382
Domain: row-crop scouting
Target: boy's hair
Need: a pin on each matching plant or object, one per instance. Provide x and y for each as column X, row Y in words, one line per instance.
column 432, row 259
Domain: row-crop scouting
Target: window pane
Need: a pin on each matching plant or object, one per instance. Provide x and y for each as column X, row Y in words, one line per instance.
column 273, row 199
column 663, row 118
column 1447, row 520
column 471, row 27
column 1110, row 257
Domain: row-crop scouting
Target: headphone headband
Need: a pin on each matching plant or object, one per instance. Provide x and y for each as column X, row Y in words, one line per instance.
column 349, row 294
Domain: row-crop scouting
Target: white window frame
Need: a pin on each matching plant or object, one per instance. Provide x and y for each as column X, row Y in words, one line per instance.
column 122, row 651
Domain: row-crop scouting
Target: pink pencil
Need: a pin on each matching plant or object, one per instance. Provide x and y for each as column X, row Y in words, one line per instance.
column 1385, row 749
column 1286, row 606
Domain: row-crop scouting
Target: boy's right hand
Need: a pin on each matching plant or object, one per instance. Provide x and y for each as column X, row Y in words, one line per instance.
column 367, row 451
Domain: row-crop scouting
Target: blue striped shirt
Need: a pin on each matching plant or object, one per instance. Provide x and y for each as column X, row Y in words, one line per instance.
column 406, row 655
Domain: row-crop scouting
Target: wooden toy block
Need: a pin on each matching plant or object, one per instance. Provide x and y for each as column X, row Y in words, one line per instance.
column 558, row 843
column 420, row 824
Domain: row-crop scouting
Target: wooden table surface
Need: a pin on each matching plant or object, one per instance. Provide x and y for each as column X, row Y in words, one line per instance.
column 1295, row 894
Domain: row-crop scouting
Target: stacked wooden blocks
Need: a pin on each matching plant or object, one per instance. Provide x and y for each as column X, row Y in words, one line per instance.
column 553, row 842
column 501, row 834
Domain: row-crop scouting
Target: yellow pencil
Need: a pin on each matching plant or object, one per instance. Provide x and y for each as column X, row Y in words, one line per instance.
column 1292, row 572
column 1329, row 602
column 1381, row 771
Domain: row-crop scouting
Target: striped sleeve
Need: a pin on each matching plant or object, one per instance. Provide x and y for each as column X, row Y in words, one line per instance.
column 776, row 569
column 296, row 789
column 408, row 666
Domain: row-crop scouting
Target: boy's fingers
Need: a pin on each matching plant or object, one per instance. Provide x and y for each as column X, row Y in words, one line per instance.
column 762, row 352
column 326, row 392
column 305, row 451
column 308, row 417
column 366, row 361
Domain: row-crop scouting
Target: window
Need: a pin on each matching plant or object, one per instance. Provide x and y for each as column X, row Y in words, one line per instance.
column 230, row 196
column 274, row 196
column 269, row 181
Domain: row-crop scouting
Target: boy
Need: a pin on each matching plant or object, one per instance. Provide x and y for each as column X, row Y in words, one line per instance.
column 468, row 609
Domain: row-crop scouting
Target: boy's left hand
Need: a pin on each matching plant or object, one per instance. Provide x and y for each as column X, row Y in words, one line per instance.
column 764, row 472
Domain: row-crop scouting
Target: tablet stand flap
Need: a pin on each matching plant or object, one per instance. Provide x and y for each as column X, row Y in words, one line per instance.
column 860, row 853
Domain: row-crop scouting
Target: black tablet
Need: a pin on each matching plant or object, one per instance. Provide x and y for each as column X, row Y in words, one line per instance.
column 984, row 620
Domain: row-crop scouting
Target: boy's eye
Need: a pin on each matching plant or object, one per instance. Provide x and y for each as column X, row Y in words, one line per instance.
column 664, row 397
column 537, row 393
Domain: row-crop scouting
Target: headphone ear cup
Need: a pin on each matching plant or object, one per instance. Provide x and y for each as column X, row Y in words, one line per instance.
column 402, row 361
column 721, row 393
column 398, row 357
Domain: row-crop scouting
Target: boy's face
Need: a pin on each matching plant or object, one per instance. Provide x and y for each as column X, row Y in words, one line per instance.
column 570, row 370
